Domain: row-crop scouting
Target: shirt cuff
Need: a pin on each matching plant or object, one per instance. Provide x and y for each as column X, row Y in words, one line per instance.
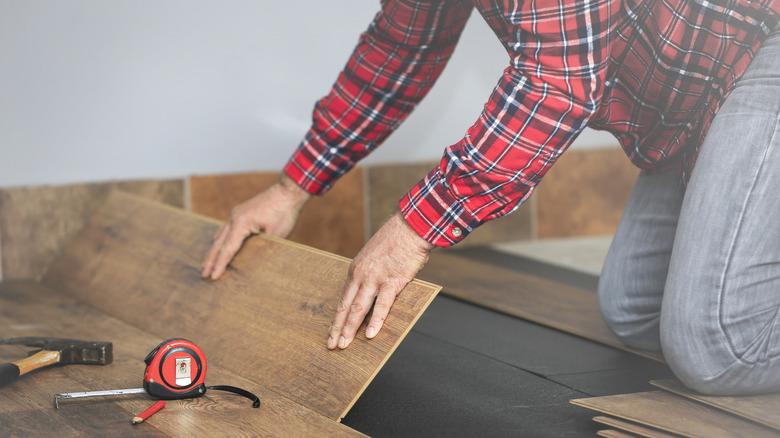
column 304, row 179
column 435, row 214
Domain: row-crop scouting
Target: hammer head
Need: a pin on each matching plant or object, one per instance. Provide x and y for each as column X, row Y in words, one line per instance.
column 72, row 351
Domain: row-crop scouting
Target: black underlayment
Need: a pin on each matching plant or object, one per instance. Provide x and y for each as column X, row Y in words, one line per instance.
column 466, row 371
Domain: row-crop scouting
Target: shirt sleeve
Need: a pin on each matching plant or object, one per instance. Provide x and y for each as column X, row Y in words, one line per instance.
column 394, row 65
column 543, row 100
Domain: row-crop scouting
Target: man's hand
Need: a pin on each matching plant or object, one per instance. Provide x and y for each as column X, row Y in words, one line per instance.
column 390, row 260
column 273, row 211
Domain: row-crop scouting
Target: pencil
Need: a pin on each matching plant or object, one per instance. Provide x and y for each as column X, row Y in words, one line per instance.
column 148, row 413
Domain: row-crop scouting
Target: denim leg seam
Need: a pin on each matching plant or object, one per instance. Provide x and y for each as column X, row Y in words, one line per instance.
column 722, row 291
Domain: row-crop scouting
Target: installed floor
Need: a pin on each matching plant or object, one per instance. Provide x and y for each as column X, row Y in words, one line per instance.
column 468, row 371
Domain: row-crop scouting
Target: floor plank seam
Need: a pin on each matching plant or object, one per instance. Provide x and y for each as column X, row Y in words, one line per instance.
column 497, row 360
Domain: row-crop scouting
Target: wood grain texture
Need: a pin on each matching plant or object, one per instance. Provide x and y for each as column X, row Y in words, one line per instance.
column 37, row 222
column 584, row 193
column 266, row 319
column 674, row 414
column 546, row 302
column 334, row 222
column 388, row 183
column 633, row 429
column 763, row 409
column 26, row 405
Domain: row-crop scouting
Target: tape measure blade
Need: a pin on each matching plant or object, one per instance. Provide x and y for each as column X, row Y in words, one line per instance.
column 99, row 393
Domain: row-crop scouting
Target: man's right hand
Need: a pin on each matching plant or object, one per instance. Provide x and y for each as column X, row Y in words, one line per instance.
column 273, row 211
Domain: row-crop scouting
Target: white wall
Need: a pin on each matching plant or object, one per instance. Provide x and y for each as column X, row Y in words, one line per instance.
column 96, row 90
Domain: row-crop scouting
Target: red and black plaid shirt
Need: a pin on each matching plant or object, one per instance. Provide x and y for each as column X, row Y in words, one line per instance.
column 652, row 72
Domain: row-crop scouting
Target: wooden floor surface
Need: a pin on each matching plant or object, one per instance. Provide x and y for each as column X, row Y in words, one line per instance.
column 27, row 405
column 265, row 321
column 267, row 318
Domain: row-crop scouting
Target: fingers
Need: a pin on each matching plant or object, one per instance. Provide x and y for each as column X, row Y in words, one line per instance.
column 273, row 211
column 352, row 310
column 336, row 336
column 384, row 301
column 228, row 240
column 211, row 257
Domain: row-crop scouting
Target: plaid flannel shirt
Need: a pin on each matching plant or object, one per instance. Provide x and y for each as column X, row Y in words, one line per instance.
column 652, row 72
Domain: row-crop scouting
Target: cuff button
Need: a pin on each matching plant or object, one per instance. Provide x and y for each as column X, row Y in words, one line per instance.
column 457, row 232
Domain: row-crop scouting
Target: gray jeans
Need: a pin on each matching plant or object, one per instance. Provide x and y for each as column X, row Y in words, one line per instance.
column 698, row 276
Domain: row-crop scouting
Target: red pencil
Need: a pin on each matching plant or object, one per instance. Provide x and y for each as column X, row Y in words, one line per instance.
column 148, row 413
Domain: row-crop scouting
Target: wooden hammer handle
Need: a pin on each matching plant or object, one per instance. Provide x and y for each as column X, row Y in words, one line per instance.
column 37, row 360
column 10, row 371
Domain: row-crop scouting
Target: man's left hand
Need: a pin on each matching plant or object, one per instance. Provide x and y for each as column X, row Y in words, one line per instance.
column 390, row 260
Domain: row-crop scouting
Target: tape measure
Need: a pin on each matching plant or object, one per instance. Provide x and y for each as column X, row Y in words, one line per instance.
column 175, row 369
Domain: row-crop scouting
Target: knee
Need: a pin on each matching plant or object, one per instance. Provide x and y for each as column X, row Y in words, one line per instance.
column 702, row 371
column 633, row 325
column 705, row 361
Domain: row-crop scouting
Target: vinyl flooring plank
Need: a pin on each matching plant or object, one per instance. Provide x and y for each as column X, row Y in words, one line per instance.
column 567, row 308
column 525, row 344
column 266, row 319
column 84, row 421
column 633, row 429
column 37, row 222
column 430, row 388
column 333, row 223
column 675, row 414
column 763, row 409
column 580, row 198
column 27, row 408
column 531, row 266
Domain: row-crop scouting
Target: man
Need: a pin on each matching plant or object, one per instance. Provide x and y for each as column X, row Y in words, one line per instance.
column 653, row 73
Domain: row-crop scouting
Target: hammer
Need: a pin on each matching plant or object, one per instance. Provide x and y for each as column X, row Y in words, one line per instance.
column 54, row 351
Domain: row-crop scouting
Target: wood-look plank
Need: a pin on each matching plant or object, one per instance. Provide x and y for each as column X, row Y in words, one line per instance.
column 674, row 414
column 546, row 302
column 633, row 428
column 764, row 409
column 584, row 194
column 105, row 419
column 26, row 405
column 267, row 319
column 334, row 222
column 37, row 222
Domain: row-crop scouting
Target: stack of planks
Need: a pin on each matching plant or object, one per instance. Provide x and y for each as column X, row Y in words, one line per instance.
column 132, row 277
column 672, row 411
column 678, row 411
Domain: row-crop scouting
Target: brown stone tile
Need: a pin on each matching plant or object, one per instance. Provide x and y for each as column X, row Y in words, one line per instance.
column 334, row 222
column 388, row 183
column 37, row 222
column 584, row 193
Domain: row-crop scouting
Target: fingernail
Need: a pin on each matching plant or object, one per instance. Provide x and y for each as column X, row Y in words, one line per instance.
column 342, row 342
column 331, row 343
column 370, row 332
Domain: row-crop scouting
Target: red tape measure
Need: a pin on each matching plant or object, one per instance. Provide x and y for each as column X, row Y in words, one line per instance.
column 175, row 369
